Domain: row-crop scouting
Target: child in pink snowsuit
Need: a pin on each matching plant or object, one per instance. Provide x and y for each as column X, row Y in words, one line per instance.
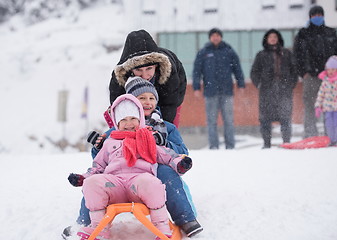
column 327, row 98
column 125, row 169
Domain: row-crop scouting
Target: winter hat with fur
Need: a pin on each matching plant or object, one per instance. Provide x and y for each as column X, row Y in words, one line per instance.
column 140, row 50
column 126, row 108
column 331, row 63
column 137, row 86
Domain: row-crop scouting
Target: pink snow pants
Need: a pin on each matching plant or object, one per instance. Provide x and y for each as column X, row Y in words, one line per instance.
column 101, row 190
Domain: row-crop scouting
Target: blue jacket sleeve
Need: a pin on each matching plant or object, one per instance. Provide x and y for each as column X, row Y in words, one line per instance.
column 94, row 150
column 237, row 70
column 197, row 71
column 174, row 139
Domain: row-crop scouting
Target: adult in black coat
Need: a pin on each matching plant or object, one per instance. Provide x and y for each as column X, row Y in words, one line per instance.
column 313, row 46
column 273, row 73
column 140, row 56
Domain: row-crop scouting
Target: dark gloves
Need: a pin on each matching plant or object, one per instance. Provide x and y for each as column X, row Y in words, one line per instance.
column 160, row 138
column 96, row 139
column 76, row 179
column 184, row 165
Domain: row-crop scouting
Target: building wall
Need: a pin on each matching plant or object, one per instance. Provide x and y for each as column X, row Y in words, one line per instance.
column 246, row 111
column 330, row 11
column 182, row 26
column 201, row 15
column 246, row 44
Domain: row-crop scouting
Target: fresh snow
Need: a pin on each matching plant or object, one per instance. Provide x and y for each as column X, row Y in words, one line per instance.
column 246, row 193
column 240, row 194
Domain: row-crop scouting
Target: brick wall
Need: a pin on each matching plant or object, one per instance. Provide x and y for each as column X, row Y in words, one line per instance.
column 245, row 108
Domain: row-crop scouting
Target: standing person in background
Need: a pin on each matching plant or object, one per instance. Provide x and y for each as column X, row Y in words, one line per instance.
column 143, row 58
column 273, row 73
column 214, row 65
column 327, row 99
column 313, row 46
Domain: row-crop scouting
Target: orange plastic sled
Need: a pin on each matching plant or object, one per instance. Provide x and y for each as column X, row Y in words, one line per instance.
column 140, row 211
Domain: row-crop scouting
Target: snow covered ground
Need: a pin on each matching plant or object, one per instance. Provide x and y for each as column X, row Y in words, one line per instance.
column 240, row 194
column 247, row 193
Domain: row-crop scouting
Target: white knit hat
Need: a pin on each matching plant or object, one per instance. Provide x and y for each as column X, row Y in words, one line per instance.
column 126, row 108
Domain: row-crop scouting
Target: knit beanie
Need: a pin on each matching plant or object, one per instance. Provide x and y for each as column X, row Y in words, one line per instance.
column 126, row 108
column 137, row 86
column 214, row 30
column 331, row 63
column 316, row 10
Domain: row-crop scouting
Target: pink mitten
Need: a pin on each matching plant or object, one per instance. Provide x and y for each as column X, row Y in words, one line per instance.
column 318, row 112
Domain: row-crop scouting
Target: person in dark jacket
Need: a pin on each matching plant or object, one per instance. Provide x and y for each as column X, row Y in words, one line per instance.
column 313, row 46
column 142, row 57
column 274, row 74
column 214, row 65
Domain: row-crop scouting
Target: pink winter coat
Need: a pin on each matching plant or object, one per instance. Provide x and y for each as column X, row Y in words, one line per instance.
column 110, row 158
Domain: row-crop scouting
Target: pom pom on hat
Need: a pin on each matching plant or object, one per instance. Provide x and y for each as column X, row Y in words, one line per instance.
column 331, row 63
column 137, row 86
column 126, row 108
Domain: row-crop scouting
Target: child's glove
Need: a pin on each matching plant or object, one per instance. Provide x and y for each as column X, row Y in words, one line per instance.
column 96, row 139
column 76, row 179
column 184, row 165
column 160, row 138
column 318, row 112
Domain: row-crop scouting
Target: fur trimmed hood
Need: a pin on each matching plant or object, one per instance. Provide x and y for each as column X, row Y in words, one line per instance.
column 140, row 49
column 122, row 71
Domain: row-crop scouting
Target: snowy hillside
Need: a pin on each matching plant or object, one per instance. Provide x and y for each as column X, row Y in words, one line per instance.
column 59, row 54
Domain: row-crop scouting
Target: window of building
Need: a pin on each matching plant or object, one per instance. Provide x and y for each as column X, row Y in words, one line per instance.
column 149, row 7
column 210, row 6
column 296, row 4
column 268, row 4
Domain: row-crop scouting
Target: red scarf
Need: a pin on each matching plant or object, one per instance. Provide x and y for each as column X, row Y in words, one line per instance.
column 141, row 141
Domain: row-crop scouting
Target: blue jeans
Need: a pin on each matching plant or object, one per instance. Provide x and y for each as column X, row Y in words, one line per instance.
column 331, row 125
column 179, row 201
column 213, row 105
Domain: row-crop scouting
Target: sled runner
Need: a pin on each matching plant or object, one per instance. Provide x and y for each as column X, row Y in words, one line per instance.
column 311, row 142
column 140, row 211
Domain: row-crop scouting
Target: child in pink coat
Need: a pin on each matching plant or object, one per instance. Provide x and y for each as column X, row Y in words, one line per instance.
column 124, row 170
column 327, row 98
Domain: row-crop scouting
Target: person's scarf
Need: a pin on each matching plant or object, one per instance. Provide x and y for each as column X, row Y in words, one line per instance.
column 324, row 76
column 139, row 142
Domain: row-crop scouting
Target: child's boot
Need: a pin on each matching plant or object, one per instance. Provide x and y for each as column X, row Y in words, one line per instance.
column 160, row 220
column 96, row 217
column 158, row 238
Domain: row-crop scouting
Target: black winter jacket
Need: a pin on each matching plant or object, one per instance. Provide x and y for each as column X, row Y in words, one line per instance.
column 170, row 78
column 312, row 48
column 275, row 90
